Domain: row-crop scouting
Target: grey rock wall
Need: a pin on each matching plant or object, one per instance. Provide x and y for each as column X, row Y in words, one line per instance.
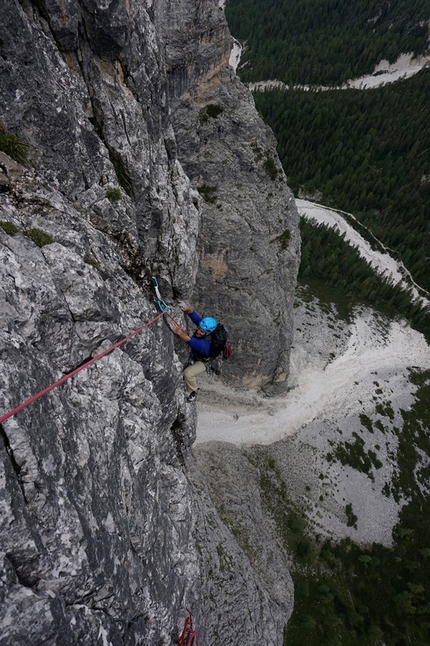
column 105, row 539
column 97, row 117
column 249, row 574
column 96, row 507
column 249, row 244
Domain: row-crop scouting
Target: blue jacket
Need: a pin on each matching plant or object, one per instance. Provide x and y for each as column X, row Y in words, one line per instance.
column 200, row 348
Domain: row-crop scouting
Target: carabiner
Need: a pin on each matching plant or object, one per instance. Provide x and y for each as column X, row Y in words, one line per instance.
column 161, row 304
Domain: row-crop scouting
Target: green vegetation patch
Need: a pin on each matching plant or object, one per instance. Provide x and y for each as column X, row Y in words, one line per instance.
column 351, row 517
column 14, row 146
column 366, row 422
column 284, row 239
column 93, row 263
column 269, row 164
column 385, row 411
column 113, row 194
column 211, row 111
column 208, row 193
column 9, row 227
column 270, row 167
column 414, row 441
column 258, row 152
column 39, row 237
column 354, row 455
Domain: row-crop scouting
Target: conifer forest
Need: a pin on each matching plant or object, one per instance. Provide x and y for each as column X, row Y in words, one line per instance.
column 365, row 152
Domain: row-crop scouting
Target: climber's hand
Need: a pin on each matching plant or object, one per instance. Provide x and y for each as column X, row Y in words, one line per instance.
column 185, row 307
column 176, row 329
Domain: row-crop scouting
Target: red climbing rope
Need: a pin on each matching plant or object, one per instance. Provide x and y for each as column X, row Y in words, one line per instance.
column 75, row 372
column 189, row 635
column 175, row 321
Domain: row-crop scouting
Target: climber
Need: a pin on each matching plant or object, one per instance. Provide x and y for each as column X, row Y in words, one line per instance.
column 200, row 346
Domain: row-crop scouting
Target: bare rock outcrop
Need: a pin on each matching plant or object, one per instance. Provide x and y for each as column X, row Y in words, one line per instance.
column 99, row 539
column 248, row 244
column 90, row 470
column 249, row 571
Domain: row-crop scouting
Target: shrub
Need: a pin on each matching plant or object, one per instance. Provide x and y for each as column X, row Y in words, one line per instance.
column 283, row 239
column 214, row 110
column 39, row 237
column 208, row 193
column 14, row 146
column 211, row 111
column 91, row 261
column 269, row 166
column 113, row 194
column 351, row 517
column 9, row 227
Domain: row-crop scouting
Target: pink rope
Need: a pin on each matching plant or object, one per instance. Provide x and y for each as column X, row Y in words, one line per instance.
column 75, row 372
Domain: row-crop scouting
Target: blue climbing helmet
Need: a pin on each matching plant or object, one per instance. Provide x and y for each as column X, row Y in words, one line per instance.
column 208, row 324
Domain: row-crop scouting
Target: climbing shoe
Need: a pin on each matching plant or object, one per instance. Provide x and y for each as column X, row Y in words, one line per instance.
column 192, row 397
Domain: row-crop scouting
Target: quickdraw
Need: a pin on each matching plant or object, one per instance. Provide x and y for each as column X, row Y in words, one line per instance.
column 161, row 304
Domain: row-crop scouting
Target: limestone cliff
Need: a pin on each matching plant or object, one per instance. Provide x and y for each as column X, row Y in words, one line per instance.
column 137, row 137
column 248, row 243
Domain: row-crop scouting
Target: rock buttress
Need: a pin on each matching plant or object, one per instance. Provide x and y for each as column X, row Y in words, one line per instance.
column 249, row 241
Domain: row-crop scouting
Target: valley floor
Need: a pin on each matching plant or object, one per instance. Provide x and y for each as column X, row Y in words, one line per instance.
column 334, row 368
column 334, row 365
column 384, row 73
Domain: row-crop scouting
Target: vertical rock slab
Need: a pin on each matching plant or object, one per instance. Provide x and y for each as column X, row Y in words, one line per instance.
column 95, row 504
column 249, row 241
column 96, row 117
column 248, row 591
column 95, row 507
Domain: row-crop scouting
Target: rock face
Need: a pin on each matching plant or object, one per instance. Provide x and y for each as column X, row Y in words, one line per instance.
column 104, row 537
column 96, row 505
column 96, row 118
column 248, row 245
column 254, row 571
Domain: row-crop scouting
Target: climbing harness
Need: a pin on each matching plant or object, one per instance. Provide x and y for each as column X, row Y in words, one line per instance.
column 161, row 304
column 75, row 372
column 189, row 635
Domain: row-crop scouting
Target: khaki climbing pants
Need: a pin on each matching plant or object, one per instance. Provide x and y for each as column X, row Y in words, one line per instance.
column 190, row 374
